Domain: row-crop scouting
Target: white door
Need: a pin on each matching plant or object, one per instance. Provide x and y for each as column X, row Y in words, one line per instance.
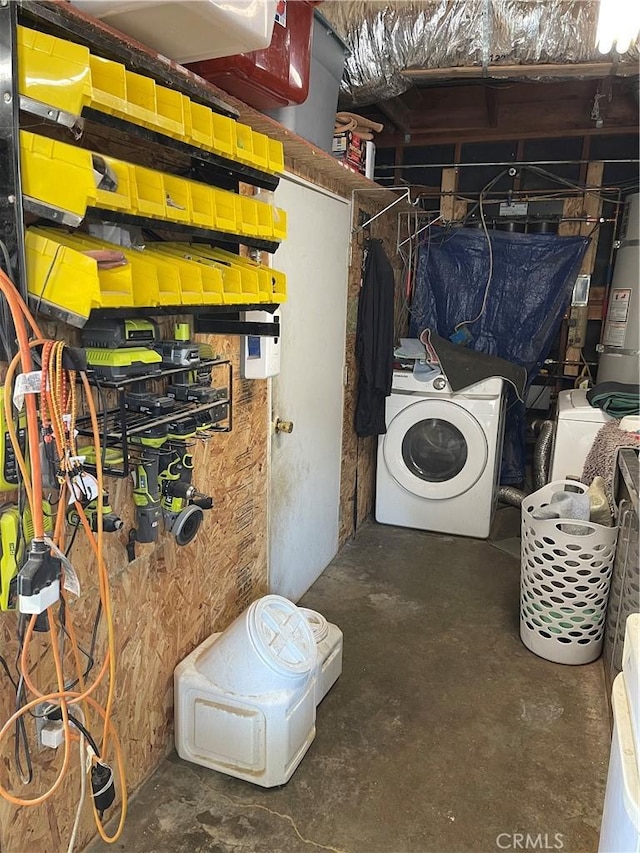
column 304, row 489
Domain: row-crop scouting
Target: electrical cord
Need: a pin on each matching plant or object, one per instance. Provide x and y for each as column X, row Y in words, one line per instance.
column 58, row 401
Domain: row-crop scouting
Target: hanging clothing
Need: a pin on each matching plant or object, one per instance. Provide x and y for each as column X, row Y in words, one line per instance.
column 374, row 341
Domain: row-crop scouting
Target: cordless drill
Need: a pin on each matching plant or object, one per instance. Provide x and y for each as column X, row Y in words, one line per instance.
column 146, row 484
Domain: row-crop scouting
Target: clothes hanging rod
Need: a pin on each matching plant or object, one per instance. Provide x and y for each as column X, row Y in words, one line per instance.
column 502, row 163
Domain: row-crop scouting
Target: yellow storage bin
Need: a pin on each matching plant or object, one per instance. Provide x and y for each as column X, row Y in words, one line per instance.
column 250, row 290
column 191, row 289
column 247, row 215
column 141, row 99
column 244, row 143
column 168, row 276
column 148, row 193
column 212, row 283
column 279, row 223
column 224, row 135
column 264, row 213
column 199, row 124
column 116, row 285
column 177, row 198
column 226, row 210
column 271, row 281
column 232, row 277
column 276, row 156
column 109, row 84
column 260, row 144
column 202, row 205
column 121, row 197
column 57, row 174
column 53, row 71
column 61, row 277
column 170, row 112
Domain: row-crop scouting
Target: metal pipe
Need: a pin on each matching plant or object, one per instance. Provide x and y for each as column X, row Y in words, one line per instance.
column 503, row 163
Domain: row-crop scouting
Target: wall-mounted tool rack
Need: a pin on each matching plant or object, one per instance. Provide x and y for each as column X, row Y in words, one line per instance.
column 118, row 424
column 206, row 167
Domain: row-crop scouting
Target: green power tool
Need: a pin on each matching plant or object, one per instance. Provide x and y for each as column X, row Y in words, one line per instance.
column 182, row 504
column 16, row 532
column 110, row 520
column 146, row 486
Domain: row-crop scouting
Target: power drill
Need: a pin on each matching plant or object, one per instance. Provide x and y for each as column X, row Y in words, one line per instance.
column 146, row 486
column 111, row 522
column 182, row 504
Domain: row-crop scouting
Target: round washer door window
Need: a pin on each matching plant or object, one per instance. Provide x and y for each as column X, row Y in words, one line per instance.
column 435, row 449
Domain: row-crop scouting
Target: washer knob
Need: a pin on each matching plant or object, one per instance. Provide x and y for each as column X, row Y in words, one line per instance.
column 439, row 383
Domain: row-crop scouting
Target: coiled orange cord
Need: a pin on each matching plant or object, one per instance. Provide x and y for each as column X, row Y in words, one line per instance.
column 58, row 396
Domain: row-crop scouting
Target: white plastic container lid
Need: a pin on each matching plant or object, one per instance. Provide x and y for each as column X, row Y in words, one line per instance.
column 317, row 623
column 282, row 636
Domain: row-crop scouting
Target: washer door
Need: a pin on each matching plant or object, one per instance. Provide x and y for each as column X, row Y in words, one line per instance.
column 435, row 449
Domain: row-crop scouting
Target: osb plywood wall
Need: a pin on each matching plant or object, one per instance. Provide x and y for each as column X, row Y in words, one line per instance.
column 165, row 603
column 357, row 482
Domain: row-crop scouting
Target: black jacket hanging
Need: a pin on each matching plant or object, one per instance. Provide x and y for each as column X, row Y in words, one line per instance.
column 374, row 341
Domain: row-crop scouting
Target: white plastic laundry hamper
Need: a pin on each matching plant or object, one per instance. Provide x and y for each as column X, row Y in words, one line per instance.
column 328, row 639
column 245, row 698
column 564, row 581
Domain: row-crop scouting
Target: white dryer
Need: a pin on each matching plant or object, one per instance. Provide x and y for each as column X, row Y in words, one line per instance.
column 439, row 462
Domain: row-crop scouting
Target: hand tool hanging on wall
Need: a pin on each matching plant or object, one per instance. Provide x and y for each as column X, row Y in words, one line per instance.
column 146, row 487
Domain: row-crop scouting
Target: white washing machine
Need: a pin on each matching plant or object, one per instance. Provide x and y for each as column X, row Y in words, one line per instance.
column 439, row 462
column 577, row 424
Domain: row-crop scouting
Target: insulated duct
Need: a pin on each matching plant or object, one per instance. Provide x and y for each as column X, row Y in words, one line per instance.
column 511, row 496
column 542, row 452
column 386, row 39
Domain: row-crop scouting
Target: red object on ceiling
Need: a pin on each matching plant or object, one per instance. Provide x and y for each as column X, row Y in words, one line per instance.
column 275, row 76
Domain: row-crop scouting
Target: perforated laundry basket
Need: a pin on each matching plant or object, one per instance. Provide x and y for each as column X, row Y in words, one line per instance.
column 564, row 582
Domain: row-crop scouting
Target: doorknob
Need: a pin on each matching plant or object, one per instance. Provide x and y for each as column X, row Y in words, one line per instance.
column 283, row 426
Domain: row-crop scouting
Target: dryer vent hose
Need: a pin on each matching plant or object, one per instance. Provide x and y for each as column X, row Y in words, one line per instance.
column 512, row 496
column 542, row 452
column 541, row 458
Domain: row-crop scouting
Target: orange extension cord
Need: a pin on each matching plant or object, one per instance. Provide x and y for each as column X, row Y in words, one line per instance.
column 58, row 393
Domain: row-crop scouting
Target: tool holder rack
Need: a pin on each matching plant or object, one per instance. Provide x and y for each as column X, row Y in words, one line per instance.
column 118, row 424
column 64, row 21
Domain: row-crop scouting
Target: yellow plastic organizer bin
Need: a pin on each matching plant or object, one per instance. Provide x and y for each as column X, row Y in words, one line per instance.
column 226, row 210
column 260, row 144
column 276, row 156
column 170, row 112
column 116, row 284
column 212, row 284
column 247, row 216
column 265, row 219
column 224, row 136
column 272, row 285
column 57, row 174
column 244, row 144
column 109, row 84
column 250, row 288
column 279, row 223
column 141, row 100
column 61, row 277
column 53, row 71
column 119, row 198
column 198, row 124
column 145, row 291
column 232, row 278
column 148, row 193
column 177, row 198
column 191, row 289
column 202, row 205
column 167, row 275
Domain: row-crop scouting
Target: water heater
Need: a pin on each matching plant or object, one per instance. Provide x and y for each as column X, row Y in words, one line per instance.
column 620, row 346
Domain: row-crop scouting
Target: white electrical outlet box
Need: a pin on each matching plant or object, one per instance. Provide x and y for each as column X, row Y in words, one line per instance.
column 260, row 356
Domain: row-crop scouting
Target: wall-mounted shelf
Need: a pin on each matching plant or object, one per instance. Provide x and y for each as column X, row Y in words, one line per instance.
column 119, row 425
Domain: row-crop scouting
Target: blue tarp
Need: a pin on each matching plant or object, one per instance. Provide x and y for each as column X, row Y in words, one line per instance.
column 531, row 283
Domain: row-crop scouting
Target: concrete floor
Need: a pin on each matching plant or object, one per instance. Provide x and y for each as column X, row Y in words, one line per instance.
column 443, row 735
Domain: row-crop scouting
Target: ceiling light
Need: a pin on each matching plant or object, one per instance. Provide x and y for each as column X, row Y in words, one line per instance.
column 618, row 25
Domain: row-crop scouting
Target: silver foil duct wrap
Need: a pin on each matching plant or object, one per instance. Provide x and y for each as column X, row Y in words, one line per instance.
column 386, row 39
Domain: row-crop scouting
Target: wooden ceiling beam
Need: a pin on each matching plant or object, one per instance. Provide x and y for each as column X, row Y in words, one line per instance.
column 514, row 72
column 452, row 137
